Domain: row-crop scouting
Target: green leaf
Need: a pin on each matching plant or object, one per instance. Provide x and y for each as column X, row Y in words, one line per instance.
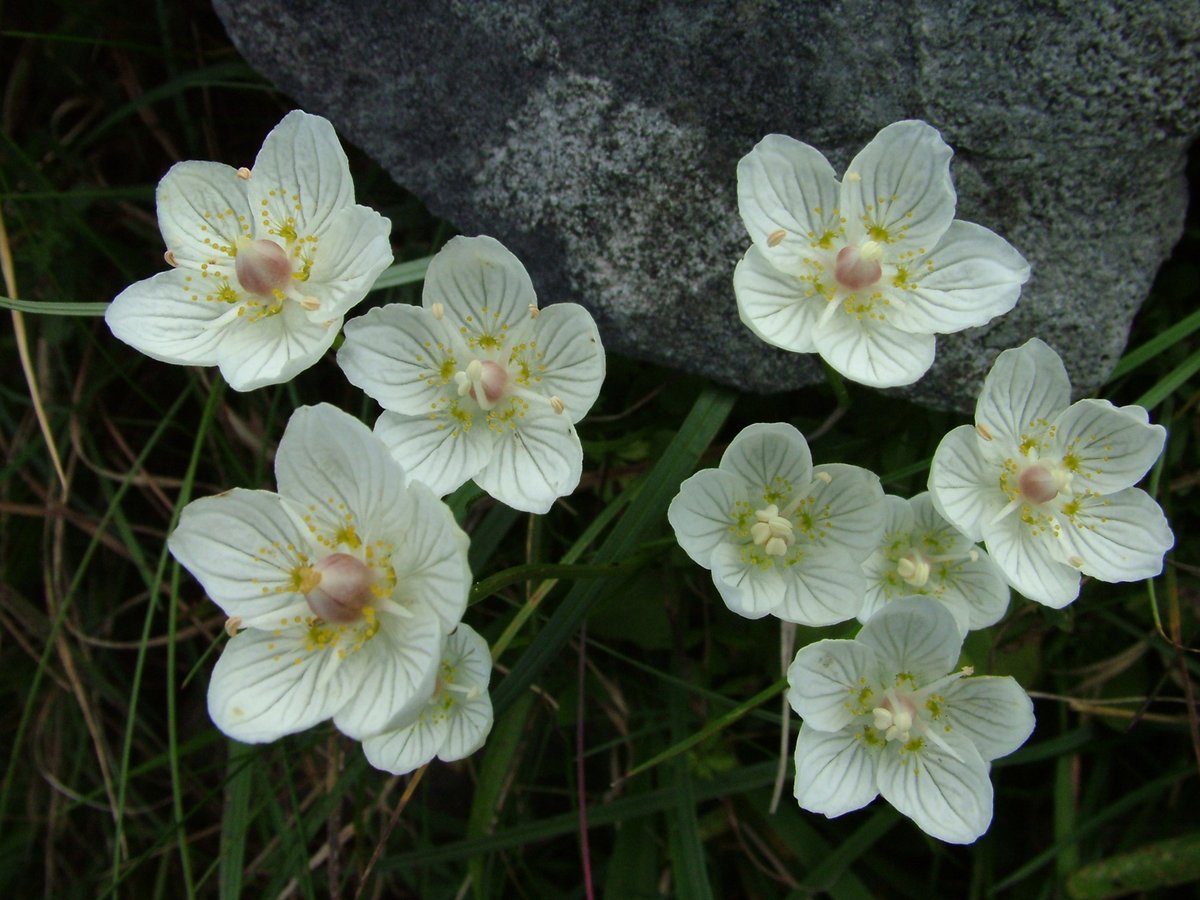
column 235, row 819
column 1153, row 866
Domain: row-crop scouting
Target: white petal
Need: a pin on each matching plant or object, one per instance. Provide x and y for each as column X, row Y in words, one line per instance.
column 830, row 683
column 267, row 685
column 747, row 590
column 164, row 319
column 482, row 287
column 835, row 773
column 1106, row 448
column 779, row 308
column 948, row 798
column 1118, row 537
column 202, row 210
column 963, row 484
column 438, row 449
column 302, row 173
column 564, row 357
column 823, row 585
column 772, row 459
column 703, row 512
column 407, row 748
column 333, row 467
column 396, row 671
column 243, row 547
column 874, row 353
column 971, row 276
column 536, row 458
column 274, row 349
column 845, row 509
column 402, row 357
column 913, row 635
column 430, row 557
column 1032, row 559
column 470, row 719
column 1026, row 388
column 785, row 185
column 904, row 186
column 347, row 260
column 995, row 713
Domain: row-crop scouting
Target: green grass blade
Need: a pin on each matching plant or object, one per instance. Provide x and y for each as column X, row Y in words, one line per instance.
column 645, row 512
column 235, row 819
column 825, row 874
column 1155, row 346
column 54, row 307
column 1158, row 865
column 686, row 847
column 402, row 273
column 1171, row 382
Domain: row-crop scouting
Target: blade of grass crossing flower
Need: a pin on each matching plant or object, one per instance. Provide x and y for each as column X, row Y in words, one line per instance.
column 720, row 723
column 235, row 819
column 498, row 760
column 528, row 571
column 1155, row 346
column 683, row 831
column 402, row 273
column 645, row 512
column 94, row 544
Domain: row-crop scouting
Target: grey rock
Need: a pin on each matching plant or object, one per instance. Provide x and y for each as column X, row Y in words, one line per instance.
column 599, row 142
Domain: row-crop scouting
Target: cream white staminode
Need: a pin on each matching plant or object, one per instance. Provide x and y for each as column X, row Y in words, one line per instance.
column 1047, row 484
column 478, row 382
column 339, row 588
column 883, row 714
column 779, row 535
column 266, row 261
column 865, row 271
column 923, row 554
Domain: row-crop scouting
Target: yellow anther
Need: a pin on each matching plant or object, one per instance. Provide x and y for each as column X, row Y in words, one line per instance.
column 232, row 624
column 853, row 177
column 310, row 303
column 984, row 432
column 243, row 173
column 438, row 310
column 557, row 405
column 169, row 256
column 534, row 312
column 775, row 238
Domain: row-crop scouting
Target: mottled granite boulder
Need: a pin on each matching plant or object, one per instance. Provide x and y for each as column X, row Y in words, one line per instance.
column 599, row 140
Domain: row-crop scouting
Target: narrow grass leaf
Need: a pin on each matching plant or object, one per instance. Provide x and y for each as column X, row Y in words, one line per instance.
column 689, row 865
column 235, row 819
column 1155, row 346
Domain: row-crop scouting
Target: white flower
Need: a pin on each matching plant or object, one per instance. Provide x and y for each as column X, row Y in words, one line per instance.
column 477, row 381
column 342, row 584
column 881, row 716
column 867, row 270
column 1047, row 485
column 456, row 719
column 779, row 535
column 923, row 554
column 267, row 261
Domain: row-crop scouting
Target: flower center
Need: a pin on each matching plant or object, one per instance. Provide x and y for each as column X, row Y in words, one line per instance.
column 772, row 531
column 1041, row 484
column 337, row 588
column 262, row 267
column 913, row 567
column 859, row 267
column 484, row 381
column 895, row 720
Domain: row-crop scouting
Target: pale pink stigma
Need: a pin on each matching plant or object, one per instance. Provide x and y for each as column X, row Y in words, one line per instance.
column 262, row 266
column 338, row 587
column 1038, row 484
column 858, row 267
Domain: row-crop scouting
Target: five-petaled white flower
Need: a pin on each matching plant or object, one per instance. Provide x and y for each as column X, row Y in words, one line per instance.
column 779, row 535
column 923, row 554
column 456, row 719
column 881, row 716
column 1047, row 484
column 867, row 270
column 477, row 382
column 267, row 261
column 339, row 588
